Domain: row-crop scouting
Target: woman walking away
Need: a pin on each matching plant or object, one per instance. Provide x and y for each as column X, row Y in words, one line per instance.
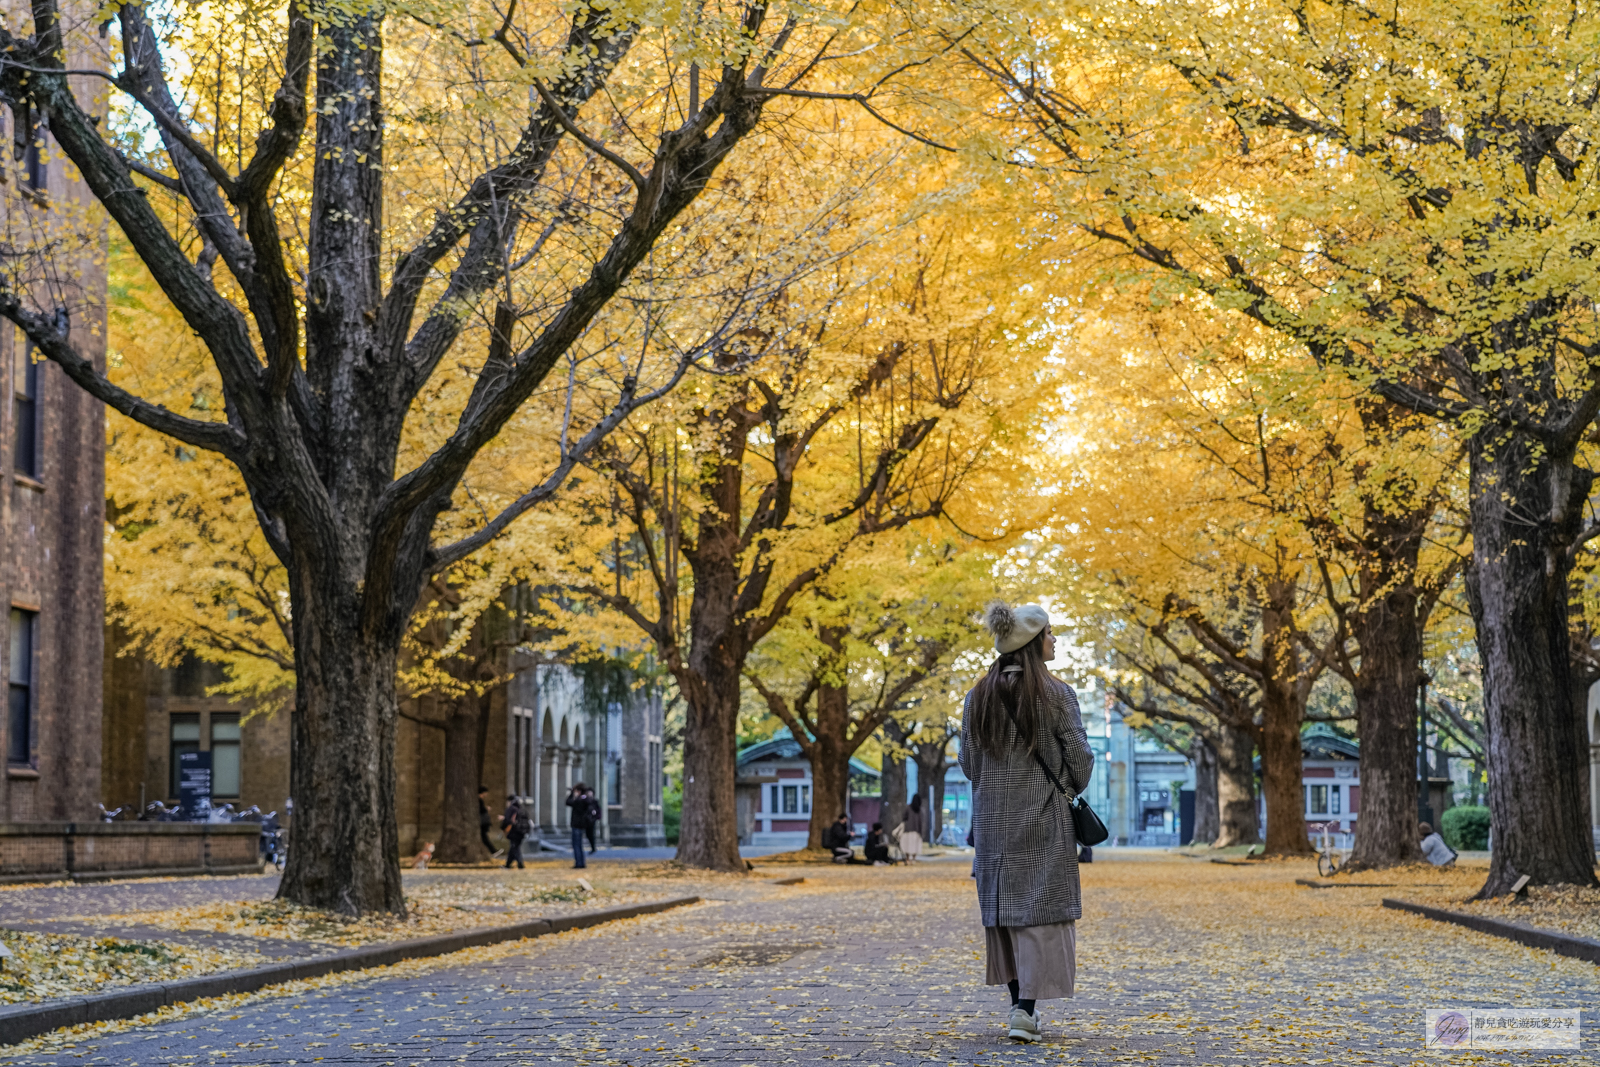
column 912, row 828
column 1019, row 726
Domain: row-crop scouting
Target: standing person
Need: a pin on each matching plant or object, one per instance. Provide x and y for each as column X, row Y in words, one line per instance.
column 517, row 825
column 912, row 829
column 1019, row 728
column 483, row 819
column 579, row 803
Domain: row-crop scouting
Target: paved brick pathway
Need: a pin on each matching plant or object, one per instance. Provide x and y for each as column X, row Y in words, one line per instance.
column 1181, row 962
column 120, row 898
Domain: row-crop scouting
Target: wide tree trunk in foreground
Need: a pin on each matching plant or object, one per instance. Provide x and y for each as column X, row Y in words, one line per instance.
column 1517, row 586
column 342, row 775
column 708, row 835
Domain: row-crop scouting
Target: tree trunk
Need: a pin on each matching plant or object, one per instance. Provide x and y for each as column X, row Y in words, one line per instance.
column 1207, row 826
column 1388, row 633
column 935, row 804
column 1282, row 711
column 1517, row 586
column 344, row 852
column 464, row 734
column 829, row 750
column 830, row 777
column 708, row 835
column 1236, row 793
column 1388, row 628
column 1583, row 678
column 932, row 762
column 893, row 790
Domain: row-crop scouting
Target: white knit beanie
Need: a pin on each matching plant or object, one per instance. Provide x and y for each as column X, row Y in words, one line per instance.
column 1014, row 627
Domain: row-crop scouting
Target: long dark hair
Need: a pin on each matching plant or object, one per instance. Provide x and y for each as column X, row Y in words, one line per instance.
column 1001, row 695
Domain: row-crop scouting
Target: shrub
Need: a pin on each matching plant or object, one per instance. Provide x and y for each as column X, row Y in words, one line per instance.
column 1466, row 828
column 672, row 811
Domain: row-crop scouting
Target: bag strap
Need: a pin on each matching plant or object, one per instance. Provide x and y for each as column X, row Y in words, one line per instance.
column 1039, row 757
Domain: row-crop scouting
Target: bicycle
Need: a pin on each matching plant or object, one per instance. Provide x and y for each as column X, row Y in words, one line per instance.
column 1329, row 858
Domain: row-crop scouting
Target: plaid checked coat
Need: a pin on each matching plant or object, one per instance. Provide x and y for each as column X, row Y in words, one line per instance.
column 1027, row 863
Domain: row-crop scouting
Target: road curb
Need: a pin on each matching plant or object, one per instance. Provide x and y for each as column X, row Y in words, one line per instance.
column 1580, row 948
column 18, row 1022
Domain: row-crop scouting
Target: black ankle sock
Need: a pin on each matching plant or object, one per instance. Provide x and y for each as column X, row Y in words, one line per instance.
column 1012, row 985
column 1026, row 1005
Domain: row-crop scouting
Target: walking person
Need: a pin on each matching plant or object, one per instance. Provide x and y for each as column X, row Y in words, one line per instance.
column 1019, row 727
column 484, row 821
column 518, row 826
column 912, row 827
column 580, row 804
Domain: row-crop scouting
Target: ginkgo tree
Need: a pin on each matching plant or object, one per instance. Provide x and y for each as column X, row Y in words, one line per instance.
column 566, row 147
column 1406, row 192
column 1292, row 534
column 902, row 404
column 868, row 648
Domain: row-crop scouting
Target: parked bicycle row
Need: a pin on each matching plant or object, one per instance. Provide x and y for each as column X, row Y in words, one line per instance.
column 274, row 839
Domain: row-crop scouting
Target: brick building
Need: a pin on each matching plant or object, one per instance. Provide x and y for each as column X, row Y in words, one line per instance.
column 153, row 713
column 52, row 444
column 542, row 736
column 545, row 733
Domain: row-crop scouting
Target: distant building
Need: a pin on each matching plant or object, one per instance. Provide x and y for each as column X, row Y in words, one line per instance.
column 1138, row 783
column 554, row 739
column 773, row 793
column 1330, row 780
column 541, row 738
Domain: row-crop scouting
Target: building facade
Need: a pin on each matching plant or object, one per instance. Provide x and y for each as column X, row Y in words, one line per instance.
column 154, row 714
column 52, row 444
column 773, row 794
column 1330, row 783
column 557, row 734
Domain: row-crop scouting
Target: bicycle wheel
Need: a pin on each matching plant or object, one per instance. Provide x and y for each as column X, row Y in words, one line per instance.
column 1327, row 865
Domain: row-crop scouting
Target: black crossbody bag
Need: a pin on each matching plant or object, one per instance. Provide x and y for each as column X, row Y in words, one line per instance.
column 1086, row 825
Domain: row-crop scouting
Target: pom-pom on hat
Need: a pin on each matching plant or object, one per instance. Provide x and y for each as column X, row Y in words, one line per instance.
column 1014, row 627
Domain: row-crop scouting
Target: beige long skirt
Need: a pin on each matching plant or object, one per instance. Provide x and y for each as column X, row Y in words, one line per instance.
column 1043, row 959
